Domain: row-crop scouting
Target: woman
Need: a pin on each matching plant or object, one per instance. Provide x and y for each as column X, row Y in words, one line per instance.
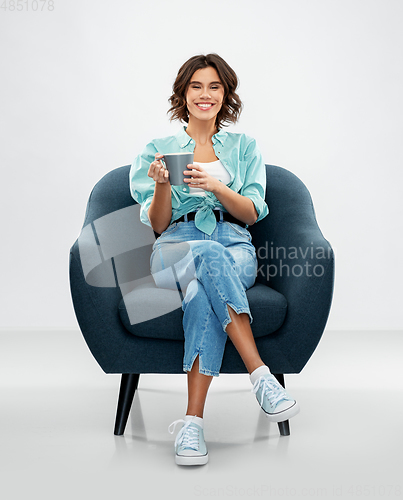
column 207, row 219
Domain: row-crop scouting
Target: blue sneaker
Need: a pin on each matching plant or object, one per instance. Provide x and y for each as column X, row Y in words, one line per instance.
column 190, row 448
column 276, row 403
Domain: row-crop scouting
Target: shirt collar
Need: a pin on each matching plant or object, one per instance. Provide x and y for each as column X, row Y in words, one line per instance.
column 183, row 138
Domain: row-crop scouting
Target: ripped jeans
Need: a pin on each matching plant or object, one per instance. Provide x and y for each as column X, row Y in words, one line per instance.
column 209, row 272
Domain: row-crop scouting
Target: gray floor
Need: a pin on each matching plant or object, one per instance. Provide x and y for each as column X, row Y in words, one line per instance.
column 58, row 409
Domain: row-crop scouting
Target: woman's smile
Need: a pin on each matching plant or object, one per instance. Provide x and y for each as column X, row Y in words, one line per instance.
column 205, row 106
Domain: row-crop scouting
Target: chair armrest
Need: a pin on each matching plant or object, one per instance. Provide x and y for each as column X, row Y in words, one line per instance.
column 297, row 268
column 96, row 309
column 306, row 281
column 296, row 260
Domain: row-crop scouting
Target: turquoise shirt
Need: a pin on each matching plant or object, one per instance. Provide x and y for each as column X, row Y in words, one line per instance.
column 238, row 153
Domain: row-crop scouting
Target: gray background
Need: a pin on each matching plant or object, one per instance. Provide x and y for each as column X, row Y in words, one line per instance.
column 84, row 87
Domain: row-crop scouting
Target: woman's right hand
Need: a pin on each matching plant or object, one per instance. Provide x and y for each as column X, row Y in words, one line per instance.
column 157, row 171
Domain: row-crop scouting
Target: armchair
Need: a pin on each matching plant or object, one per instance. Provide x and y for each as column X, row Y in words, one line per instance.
column 111, row 284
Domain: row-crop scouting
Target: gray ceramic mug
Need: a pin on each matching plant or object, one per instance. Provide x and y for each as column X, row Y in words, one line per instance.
column 176, row 163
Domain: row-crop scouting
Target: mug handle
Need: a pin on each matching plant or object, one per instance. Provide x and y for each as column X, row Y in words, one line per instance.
column 162, row 160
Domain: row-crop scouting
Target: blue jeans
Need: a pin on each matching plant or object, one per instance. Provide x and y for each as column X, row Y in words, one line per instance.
column 210, row 272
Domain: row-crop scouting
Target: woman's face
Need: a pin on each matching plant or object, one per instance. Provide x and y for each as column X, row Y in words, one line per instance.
column 205, row 94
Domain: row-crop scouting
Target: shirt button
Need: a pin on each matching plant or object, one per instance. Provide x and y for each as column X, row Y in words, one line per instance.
column 184, row 189
column 191, row 142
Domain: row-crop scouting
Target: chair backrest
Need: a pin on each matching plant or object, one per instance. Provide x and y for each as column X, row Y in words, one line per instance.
column 111, row 193
column 288, row 200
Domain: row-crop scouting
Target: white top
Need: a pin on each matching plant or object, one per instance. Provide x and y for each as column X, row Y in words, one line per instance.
column 215, row 169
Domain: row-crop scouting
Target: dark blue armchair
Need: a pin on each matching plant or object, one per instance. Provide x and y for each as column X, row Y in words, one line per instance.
column 111, row 287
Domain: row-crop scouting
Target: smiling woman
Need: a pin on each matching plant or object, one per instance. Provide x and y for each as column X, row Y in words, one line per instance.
column 208, row 215
column 224, row 80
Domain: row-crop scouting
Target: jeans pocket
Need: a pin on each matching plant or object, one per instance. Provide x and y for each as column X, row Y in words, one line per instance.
column 242, row 231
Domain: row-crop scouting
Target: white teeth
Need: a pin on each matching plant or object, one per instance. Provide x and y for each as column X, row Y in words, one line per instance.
column 205, row 105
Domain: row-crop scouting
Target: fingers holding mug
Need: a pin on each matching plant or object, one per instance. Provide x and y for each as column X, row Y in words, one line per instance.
column 157, row 170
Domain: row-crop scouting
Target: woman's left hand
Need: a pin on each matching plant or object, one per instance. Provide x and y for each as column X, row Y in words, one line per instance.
column 201, row 179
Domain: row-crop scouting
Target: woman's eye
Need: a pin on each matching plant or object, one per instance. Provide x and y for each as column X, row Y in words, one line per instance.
column 197, row 87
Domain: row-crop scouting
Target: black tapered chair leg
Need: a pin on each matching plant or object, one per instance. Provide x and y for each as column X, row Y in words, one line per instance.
column 128, row 386
column 284, row 427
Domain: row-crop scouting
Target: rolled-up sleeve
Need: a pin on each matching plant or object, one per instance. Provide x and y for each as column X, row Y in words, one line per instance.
column 142, row 186
column 254, row 186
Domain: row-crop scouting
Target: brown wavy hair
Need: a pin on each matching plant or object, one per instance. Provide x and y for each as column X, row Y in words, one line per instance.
column 231, row 107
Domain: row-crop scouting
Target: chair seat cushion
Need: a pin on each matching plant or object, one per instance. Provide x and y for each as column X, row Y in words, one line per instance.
column 153, row 312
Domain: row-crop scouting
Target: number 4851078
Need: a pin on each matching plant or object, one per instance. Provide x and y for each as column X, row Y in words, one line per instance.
column 28, row 5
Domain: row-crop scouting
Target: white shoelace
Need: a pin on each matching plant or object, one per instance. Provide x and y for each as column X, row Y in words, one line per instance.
column 271, row 389
column 188, row 437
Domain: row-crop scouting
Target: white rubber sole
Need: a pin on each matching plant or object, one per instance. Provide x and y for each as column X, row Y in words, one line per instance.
column 198, row 460
column 283, row 415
